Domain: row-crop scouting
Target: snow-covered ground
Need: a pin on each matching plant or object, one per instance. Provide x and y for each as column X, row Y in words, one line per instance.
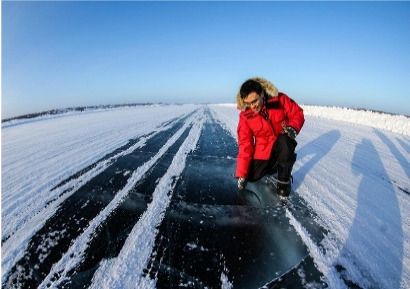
column 353, row 169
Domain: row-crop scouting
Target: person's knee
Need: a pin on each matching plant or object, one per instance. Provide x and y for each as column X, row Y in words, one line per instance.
column 282, row 139
column 285, row 149
column 283, row 142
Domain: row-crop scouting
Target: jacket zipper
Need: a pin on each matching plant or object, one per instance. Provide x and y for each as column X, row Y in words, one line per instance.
column 265, row 115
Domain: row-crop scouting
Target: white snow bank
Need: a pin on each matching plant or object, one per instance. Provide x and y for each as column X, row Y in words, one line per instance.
column 394, row 123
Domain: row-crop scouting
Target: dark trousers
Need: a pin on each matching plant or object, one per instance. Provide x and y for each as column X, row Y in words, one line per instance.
column 282, row 158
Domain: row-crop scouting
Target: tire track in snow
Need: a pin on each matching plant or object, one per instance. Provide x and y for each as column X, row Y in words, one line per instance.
column 205, row 185
column 111, row 235
column 223, row 116
column 66, row 188
column 17, row 237
column 75, row 253
column 18, row 249
column 126, row 271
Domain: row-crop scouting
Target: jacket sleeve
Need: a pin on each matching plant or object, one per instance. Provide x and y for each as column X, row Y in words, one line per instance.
column 246, row 148
column 294, row 112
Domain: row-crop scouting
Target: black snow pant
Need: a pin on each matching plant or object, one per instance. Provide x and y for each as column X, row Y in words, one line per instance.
column 281, row 159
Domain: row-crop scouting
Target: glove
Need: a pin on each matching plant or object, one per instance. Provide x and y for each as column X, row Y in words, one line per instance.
column 241, row 183
column 290, row 131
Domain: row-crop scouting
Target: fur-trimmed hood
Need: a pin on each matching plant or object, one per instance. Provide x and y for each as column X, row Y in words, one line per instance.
column 269, row 89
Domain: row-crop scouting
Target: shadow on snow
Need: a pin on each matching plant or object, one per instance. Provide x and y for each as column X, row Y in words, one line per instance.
column 377, row 217
column 319, row 148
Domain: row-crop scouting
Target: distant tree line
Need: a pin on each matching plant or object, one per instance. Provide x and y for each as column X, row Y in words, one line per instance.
column 74, row 109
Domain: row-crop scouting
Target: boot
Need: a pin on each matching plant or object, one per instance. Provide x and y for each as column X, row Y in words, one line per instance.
column 284, row 181
column 284, row 188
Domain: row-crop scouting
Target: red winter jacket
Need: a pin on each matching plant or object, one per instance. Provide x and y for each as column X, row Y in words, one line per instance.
column 257, row 134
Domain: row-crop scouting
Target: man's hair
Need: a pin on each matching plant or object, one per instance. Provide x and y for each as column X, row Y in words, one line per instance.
column 250, row 86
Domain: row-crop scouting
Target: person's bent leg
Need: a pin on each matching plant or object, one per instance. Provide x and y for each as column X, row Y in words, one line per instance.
column 257, row 170
column 285, row 150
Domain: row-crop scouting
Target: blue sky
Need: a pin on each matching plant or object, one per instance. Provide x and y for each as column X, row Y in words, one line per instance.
column 65, row 54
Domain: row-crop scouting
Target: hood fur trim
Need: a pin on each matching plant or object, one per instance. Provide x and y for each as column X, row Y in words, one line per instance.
column 269, row 89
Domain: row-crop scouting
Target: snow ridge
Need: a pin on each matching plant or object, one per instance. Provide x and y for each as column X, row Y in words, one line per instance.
column 62, row 192
column 323, row 264
column 20, row 233
column 75, row 253
column 126, row 271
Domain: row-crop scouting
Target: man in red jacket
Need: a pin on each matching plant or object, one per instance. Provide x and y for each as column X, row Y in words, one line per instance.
column 268, row 124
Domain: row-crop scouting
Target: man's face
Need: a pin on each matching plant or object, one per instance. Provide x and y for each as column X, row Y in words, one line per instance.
column 254, row 101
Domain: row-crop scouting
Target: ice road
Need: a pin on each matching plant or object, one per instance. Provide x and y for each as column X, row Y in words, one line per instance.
column 144, row 197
